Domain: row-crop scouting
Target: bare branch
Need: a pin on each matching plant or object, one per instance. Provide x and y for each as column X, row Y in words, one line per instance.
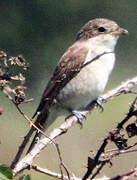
column 126, row 176
column 58, row 176
column 53, row 174
column 124, row 88
column 27, row 137
column 71, row 121
column 116, row 153
column 113, row 136
column 62, row 163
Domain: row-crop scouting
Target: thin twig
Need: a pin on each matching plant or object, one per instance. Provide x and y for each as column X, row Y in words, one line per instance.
column 62, row 163
column 71, row 121
column 126, row 176
column 98, row 170
column 94, row 163
column 57, row 175
column 111, row 137
column 50, row 173
column 27, row 137
column 108, row 156
column 129, row 115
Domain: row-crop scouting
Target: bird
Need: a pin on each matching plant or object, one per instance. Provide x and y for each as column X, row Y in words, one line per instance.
column 81, row 74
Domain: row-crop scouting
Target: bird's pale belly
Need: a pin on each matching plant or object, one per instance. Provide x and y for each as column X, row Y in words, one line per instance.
column 85, row 87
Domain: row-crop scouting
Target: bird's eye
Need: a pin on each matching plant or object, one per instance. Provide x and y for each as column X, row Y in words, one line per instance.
column 101, row 29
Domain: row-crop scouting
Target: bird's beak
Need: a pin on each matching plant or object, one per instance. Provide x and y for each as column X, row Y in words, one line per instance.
column 122, row 31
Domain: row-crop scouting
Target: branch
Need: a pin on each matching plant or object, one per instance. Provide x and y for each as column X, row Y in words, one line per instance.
column 57, row 175
column 27, row 161
column 116, row 153
column 118, row 139
column 126, row 176
column 50, row 173
column 27, row 137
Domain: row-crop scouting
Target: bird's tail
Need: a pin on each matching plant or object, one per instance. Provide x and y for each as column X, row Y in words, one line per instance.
column 41, row 124
column 34, row 141
column 43, row 121
column 22, row 146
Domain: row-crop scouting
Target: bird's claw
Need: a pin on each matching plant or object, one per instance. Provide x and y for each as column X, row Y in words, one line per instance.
column 100, row 102
column 80, row 116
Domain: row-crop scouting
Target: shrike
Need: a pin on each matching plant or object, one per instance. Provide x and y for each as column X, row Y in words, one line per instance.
column 77, row 79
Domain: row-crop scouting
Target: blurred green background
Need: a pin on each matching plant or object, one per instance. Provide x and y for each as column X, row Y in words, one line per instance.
column 41, row 30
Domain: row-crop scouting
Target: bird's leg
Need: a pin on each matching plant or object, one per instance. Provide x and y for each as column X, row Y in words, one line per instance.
column 100, row 102
column 80, row 116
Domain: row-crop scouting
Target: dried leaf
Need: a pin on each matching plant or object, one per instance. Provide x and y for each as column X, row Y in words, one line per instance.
column 20, row 61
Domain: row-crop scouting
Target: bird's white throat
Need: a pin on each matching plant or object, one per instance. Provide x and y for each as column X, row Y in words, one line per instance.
column 102, row 43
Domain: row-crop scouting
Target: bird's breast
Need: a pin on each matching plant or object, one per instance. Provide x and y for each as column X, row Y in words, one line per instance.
column 88, row 84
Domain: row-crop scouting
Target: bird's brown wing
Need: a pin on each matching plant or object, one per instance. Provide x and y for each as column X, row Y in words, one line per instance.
column 68, row 67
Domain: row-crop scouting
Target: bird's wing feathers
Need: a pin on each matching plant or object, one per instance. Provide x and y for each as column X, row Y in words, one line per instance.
column 68, row 67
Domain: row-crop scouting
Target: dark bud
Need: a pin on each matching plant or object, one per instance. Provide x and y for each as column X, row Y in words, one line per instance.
column 21, row 58
column 119, row 140
column 20, row 61
column 131, row 129
column 20, row 98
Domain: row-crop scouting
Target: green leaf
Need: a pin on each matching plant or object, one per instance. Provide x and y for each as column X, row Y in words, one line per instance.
column 5, row 172
column 25, row 177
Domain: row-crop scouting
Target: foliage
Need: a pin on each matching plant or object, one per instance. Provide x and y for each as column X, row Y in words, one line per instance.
column 6, row 173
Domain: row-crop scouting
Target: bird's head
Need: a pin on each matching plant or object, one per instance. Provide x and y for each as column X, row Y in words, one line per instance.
column 100, row 27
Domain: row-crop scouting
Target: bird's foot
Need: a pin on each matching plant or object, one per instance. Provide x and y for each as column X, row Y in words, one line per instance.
column 100, row 103
column 80, row 116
